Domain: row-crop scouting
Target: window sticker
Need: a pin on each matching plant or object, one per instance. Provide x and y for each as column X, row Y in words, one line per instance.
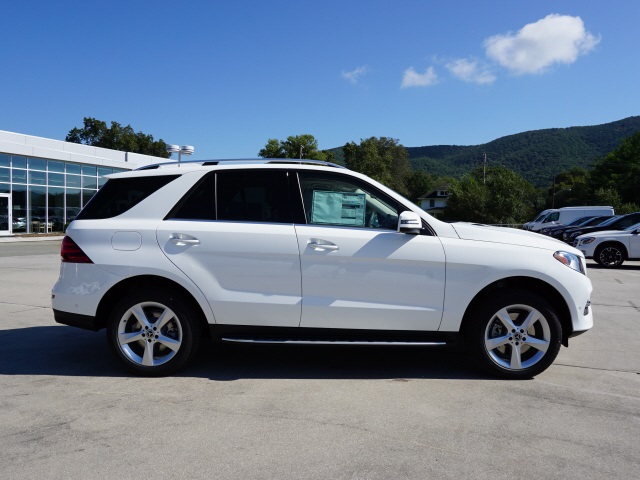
column 338, row 208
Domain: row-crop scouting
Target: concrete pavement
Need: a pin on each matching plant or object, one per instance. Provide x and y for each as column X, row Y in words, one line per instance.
column 67, row 409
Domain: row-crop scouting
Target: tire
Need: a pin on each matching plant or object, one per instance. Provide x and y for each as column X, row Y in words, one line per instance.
column 153, row 332
column 610, row 256
column 515, row 334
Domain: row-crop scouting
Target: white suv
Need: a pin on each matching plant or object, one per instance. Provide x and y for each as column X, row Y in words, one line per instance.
column 278, row 251
column 611, row 248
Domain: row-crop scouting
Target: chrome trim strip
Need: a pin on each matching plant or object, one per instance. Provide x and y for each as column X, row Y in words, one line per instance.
column 330, row 342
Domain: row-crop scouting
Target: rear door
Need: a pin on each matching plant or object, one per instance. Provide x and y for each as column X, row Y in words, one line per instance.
column 634, row 243
column 240, row 249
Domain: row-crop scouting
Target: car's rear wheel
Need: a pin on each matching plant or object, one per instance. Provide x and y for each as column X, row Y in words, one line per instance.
column 610, row 256
column 153, row 333
column 515, row 334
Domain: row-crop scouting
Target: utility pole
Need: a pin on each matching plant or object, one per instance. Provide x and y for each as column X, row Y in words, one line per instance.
column 484, row 170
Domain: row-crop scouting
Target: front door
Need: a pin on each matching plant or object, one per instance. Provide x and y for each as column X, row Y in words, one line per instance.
column 358, row 272
column 5, row 214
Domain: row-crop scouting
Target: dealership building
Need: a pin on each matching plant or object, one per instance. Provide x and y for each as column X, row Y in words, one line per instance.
column 44, row 183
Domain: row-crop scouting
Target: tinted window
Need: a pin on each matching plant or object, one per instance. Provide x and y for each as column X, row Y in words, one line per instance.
column 199, row 203
column 119, row 195
column 253, row 196
column 344, row 201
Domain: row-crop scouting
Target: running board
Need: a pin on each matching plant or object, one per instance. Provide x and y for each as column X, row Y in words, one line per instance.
column 332, row 342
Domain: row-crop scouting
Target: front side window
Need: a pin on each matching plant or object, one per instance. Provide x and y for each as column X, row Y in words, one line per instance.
column 552, row 217
column 338, row 200
column 253, row 196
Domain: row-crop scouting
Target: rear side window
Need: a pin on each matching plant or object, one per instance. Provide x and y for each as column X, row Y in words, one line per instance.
column 253, row 196
column 121, row 194
column 199, row 203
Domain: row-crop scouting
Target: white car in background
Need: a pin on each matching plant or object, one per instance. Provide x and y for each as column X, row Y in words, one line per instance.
column 610, row 248
column 307, row 253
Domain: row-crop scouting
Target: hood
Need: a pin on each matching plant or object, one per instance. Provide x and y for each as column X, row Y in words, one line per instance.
column 510, row 236
column 606, row 233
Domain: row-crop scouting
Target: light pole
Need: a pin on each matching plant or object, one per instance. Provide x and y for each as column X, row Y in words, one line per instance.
column 183, row 150
column 553, row 197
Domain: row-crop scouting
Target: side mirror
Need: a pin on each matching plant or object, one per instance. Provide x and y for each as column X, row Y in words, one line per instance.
column 409, row 222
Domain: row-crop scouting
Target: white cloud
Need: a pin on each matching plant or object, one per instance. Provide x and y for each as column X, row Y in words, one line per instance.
column 471, row 71
column 537, row 46
column 412, row 78
column 354, row 75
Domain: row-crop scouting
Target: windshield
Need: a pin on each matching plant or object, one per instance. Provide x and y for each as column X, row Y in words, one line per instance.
column 540, row 217
column 610, row 221
column 595, row 221
column 633, row 227
column 580, row 221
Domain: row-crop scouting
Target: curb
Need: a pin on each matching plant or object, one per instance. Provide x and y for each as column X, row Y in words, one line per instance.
column 17, row 239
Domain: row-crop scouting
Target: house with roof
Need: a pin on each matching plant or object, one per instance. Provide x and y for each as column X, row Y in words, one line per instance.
column 435, row 201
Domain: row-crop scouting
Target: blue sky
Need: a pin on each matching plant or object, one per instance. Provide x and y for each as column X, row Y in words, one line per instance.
column 225, row 76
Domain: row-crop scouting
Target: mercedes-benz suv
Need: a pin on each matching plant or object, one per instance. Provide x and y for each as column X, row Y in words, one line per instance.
column 302, row 252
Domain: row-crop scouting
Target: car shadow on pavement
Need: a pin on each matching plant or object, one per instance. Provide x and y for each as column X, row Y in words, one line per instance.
column 632, row 265
column 68, row 351
column 624, row 266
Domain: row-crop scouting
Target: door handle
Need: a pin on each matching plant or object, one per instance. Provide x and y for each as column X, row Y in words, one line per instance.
column 322, row 245
column 181, row 239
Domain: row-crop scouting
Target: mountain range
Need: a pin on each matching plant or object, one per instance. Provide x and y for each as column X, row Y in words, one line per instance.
column 536, row 155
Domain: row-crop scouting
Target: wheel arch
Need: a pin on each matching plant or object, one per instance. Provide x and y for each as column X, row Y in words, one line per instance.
column 548, row 292
column 146, row 281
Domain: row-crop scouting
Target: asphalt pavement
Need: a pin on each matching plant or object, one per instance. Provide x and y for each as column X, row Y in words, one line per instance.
column 69, row 411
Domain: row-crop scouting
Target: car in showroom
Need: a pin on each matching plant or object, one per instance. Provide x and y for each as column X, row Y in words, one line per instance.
column 610, row 248
column 307, row 253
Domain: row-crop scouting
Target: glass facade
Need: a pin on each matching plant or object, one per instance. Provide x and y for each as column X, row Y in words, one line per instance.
column 48, row 194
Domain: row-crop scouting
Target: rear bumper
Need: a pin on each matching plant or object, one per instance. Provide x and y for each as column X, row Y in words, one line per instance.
column 86, row 322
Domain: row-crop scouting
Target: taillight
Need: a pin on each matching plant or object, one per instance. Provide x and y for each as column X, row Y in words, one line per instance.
column 72, row 253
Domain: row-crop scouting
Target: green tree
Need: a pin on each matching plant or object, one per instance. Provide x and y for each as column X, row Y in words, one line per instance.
column 620, row 170
column 504, row 198
column 420, row 182
column 116, row 137
column 295, row 146
column 382, row 159
column 569, row 188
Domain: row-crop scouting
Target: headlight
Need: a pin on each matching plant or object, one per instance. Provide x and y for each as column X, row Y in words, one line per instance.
column 570, row 260
column 586, row 240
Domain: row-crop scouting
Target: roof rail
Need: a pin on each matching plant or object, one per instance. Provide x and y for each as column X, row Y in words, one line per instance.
column 263, row 161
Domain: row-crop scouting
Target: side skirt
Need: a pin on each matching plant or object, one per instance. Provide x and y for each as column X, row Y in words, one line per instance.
column 326, row 336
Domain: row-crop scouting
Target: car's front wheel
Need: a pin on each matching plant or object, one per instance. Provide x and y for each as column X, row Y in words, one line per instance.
column 609, row 256
column 515, row 334
column 154, row 333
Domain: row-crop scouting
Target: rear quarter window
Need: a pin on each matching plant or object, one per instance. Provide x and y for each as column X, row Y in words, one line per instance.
column 121, row 194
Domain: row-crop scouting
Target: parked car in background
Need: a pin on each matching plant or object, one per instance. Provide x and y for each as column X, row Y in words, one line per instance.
column 577, row 221
column 307, row 253
column 589, row 222
column 611, row 248
column 619, row 223
column 565, row 215
column 537, row 219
